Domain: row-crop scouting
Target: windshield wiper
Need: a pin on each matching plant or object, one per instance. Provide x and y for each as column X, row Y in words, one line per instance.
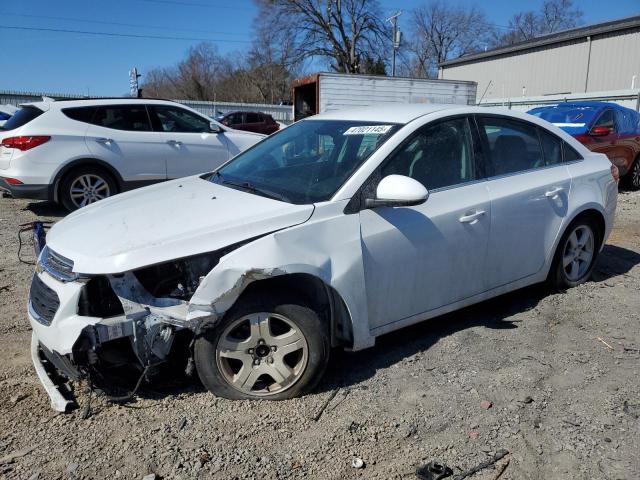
column 248, row 187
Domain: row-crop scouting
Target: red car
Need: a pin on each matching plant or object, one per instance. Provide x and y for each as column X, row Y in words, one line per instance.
column 604, row 128
column 251, row 121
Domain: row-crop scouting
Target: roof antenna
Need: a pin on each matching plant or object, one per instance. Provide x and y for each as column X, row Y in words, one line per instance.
column 485, row 92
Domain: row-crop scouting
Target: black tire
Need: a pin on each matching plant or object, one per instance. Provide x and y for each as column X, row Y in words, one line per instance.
column 632, row 179
column 305, row 319
column 71, row 178
column 558, row 277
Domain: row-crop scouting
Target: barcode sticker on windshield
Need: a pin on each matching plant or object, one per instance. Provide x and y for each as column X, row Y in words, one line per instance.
column 374, row 129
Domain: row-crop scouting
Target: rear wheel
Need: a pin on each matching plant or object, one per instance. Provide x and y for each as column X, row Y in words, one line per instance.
column 263, row 348
column 576, row 254
column 84, row 186
column 632, row 179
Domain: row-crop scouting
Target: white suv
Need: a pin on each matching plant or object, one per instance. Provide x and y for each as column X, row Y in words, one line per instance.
column 76, row 152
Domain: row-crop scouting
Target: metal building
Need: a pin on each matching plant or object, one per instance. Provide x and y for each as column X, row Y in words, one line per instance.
column 595, row 58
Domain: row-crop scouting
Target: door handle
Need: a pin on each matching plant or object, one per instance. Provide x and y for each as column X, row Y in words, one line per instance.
column 472, row 217
column 104, row 141
column 174, row 143
column 553, row 193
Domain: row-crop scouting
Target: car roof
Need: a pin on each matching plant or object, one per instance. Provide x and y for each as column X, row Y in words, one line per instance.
column 392, row 113
column 88, row 102
column 593, row 104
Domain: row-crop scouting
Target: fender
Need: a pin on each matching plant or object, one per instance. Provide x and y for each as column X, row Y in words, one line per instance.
column 575, row 214
column 326, row 247
column 83, row 162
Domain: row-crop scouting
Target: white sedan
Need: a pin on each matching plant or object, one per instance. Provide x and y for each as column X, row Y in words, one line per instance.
column 330, row 233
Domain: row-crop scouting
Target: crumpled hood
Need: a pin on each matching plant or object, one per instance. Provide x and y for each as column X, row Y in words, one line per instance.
column 167, row 221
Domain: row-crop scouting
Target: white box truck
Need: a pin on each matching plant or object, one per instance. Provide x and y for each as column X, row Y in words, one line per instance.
column 323, row 92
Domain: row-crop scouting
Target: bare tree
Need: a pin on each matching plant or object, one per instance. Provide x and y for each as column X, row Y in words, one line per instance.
column 344, row 32
column 555, row 15
column 273, row 63
column 440, row 32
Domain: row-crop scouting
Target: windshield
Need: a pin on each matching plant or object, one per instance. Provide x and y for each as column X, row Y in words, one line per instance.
column 307, row 162
column 22, row 117
column 565, row 116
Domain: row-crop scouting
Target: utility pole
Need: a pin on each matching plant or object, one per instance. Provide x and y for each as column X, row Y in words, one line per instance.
column 133, row 83
column 396, row 37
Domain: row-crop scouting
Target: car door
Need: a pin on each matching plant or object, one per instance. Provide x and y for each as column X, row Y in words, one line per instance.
column 419, row 258
column 529, row 187
column 609, row 143
column 255, row 122
column 628, row 141
column 190, row 146
column 121, row 135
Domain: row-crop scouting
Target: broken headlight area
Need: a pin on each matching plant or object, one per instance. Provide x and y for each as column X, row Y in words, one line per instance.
column 178, row 279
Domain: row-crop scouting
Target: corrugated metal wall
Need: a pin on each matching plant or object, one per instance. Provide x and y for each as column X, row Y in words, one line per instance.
column 558, row 68
column 345, row 91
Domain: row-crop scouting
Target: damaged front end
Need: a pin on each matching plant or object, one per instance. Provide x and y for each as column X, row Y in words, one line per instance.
column 106, row 328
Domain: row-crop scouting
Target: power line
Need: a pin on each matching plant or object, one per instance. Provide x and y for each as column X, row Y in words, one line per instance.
column 113, row 34
column 194, row 4
column 135, row 25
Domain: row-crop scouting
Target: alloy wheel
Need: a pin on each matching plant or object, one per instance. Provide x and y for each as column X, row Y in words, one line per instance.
column 578, row 252
column 87, row 189
column 262, row 354
column 635, row 174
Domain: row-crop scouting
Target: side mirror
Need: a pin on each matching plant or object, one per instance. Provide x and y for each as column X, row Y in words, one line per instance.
column 398, row 191
column 600, row 131
column 214, row 128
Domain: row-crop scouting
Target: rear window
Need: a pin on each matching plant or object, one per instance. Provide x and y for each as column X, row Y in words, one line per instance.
column 22, row 117
column 81, row 114
column 123, row 117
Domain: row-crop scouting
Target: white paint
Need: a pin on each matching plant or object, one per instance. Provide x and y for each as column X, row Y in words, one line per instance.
column 399, row 187
column 391, row 266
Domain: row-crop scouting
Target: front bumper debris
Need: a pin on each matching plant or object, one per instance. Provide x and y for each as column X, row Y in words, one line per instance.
column 58, row 402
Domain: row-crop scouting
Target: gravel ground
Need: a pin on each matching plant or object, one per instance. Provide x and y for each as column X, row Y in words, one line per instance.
column 552, row 378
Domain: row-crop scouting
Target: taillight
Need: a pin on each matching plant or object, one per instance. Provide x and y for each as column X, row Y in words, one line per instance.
column 25, row 142
column 13, row 181
column 615, row 173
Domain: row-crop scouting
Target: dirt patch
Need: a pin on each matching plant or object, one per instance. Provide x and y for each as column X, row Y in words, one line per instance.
column 553, row 378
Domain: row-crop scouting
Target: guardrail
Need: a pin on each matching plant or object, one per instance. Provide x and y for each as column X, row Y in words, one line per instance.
column 280, row 113
column 625, row 98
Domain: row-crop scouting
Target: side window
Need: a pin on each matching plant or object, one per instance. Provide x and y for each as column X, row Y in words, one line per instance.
column 81, row 114
column 607, row 119
column 235, row 119
column 173, row 119
column 254, row 118
column 570, row 154
column 123, row 117
column 551, row 147
column 512, row 145
column 437, row 156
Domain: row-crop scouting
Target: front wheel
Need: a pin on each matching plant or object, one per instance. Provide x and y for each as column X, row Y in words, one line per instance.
column 576, row 254
column 263, row 349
